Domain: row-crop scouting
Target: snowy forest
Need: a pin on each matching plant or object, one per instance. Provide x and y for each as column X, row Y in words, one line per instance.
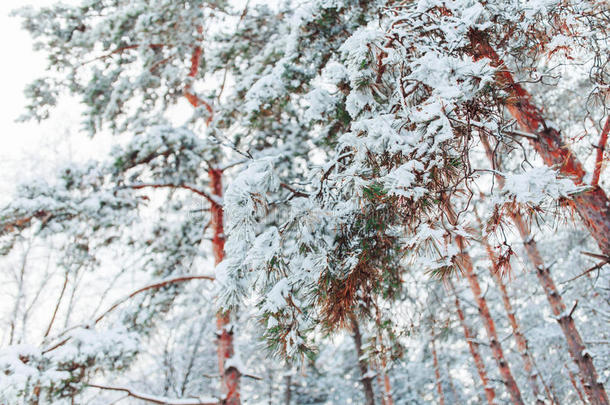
column 313, row 202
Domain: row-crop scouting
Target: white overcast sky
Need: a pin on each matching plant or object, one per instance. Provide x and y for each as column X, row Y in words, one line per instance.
column 30, row 149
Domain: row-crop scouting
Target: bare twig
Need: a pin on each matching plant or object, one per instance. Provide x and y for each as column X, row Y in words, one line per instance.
column 599, row 160
column 156, row 399
column 598, row 266
column 152, row 286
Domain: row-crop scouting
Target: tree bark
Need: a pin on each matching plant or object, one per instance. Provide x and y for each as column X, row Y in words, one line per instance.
column 387, row 387
column 287, row 392
column 464, row 261
column 576, row 387
column 593, row 387
column 229, row 376
column 437, row 371
column 588, row 374
column 386, row 395
column 367, row 380
column 473, row 346
column 522, row 345
column 593, row 206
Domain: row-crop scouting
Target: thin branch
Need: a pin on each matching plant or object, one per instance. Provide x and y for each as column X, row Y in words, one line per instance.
column 123, row 49
column 156, row 399
column 598, row 266
column 599, row 160
column 153, row 286
column 511, row 132
column 61, row 295
column 213, row 199
column 224, row 76
column 295, row 193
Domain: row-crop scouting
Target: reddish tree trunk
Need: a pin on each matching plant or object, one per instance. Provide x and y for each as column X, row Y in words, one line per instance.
column 386, row 395
column 377, row 368
column 230, row 376
column 522, row 345
column 490, row 394
column 464, row 261
column 594, row 388
column 593, row 206
column 437, row 371
column 575, row 385
column 387, row 387
column 365, row 378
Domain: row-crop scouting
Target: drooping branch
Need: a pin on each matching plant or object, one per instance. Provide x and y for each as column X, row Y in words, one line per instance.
column 157, row 399
column 599, row 159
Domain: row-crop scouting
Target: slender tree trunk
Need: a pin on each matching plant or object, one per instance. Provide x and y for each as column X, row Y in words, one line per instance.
column 522, row 345
column 386, row 396
column 387, row 387
column 437, row 371
column 465, row 263
column 229, row 376
column 593, row 206
column 490, row 394
column 367, row 380
column 588, row 374
column 454, row 393
column 575, row 385
column 288, row 391
column 593, row 387
column 379, row 382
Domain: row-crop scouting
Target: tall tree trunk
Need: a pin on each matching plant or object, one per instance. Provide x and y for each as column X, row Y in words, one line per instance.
column 377, row 368
column 386, row 395
column 490, row 394
column 437, row 370
column 593, row 206
column 588, row 374
column 455, row 397
column 575, row 385
column 288, row 391
column 231, row 375
column 593, row 387
column 522, row 345
column 465, row 263
column 387, row 387
column 365, row 378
